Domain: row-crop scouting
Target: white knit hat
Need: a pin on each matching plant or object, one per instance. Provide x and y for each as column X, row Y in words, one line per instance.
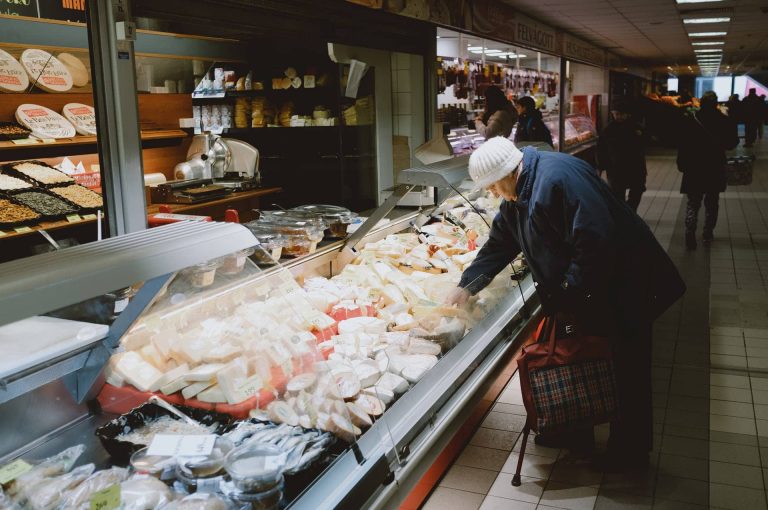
column 494, row 160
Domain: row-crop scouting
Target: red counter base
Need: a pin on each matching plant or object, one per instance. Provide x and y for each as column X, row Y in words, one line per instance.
column 445, row 460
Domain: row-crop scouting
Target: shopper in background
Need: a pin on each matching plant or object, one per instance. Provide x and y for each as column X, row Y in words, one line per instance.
column 596, row 265
column 763, row 117
column 621, row 154
column 706, row 136
column 530, row 126
column 499, row 116
column 752, row 108
column 734, row 108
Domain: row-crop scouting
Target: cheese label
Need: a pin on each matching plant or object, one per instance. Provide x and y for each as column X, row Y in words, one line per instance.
column 107, row 499
column 171, row 445
column 13, row 77
column 2, row 234
column 82, row 116
column 22, row 230
column 46, row 71
column 89, row 216
column 72, row 218
column 15, row 469
column 251, row 386
column 25, row 141
column 44, row 122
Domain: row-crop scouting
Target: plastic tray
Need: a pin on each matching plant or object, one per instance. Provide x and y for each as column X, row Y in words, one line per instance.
column 20, row 136
column 8, row 168
column 49, row 217
column 35, row 221
column 121, row 451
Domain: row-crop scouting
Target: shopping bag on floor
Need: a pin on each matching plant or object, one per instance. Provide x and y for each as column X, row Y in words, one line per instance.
column 566, row 383
column 738, row 170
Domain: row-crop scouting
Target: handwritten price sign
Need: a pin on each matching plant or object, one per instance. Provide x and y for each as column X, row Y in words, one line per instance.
column 169, row 445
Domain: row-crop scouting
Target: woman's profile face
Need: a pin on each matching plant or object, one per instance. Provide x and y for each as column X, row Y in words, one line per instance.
column 520, row 108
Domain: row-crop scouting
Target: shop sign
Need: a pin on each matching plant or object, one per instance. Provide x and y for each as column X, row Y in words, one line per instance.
column 64, row 10
column 578, row 49
column 19, row 8
column 535, row 35
column 612, row 60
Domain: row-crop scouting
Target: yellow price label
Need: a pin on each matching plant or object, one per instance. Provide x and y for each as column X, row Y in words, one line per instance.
column 107, row 499
column 25, row 141
column 2, row 234
column 89, row 216
column 22, row 230
column 72, row 218
column 11, row 471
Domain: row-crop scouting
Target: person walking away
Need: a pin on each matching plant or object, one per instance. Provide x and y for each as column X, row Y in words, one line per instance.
column 763, row 117
column 621, row 155
column 734, row 108
column 596, row 266
column 752, row 108
column 707, row 134
column 530, row 126
column 499, row 116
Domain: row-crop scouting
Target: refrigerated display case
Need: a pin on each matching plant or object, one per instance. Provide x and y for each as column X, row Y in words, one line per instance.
column 204, row 292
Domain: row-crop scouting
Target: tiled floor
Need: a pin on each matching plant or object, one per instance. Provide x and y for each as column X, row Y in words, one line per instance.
column 710, row 376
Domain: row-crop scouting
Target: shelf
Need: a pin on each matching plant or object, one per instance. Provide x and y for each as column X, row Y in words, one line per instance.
column 82, row 145
column 255, row 93
column 48, row 226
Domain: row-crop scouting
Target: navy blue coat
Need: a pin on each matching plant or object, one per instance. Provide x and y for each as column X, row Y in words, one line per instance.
column 589, row 253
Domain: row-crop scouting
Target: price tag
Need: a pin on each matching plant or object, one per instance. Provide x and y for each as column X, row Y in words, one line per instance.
column 169, row 445
column 72, row 218
column 89, row 216
column 107, row 499
column 11, row 471
column 2, row 234
column 25, row 141
column 251, row 386
column 276, row 252
column 22, row 230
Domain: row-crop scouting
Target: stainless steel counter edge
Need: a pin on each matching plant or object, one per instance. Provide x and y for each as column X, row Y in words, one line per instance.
column 348, row 483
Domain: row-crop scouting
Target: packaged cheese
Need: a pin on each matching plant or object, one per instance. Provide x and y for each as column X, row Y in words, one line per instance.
column 46, row 71
column 13, row 77
column 44, row 122
column 82, row 116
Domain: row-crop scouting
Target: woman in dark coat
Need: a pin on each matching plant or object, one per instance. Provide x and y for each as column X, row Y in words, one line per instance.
column 530, row 126
column 499, row 116
column 707, row 134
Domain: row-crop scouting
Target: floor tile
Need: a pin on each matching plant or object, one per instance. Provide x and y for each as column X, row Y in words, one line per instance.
column 729, row 380
column 483, row 458
column 731, row 394
column 501, row 407
column 736, row 498
column 761, row 412
column 444, row 498
column 734, row 453
column 496, row 503
column 759, row 383
column 570, row 497
column 721, row 361
column 611, row 500
column 504, row 421
column 733, row 424
column 530, row 490
column 492, row 438
column 642, row 483
column 682, row 489
column 469, row 479
column 729, row 350
column 683, row 467
column 686, row 447
column 533, row 465
column 576, row 472
column 736, row 474
column 533, row 449
column 662, row 504
column 726, row 437
column 738, row 409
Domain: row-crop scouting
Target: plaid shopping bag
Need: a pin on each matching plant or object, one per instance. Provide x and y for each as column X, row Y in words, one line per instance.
column 738, row 170
column 566, row 383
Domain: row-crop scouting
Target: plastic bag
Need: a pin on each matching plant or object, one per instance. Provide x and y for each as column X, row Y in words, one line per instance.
column 200, row 502
column 52, row 466
column 144, row 493
column 47, row 494
column 80, row 498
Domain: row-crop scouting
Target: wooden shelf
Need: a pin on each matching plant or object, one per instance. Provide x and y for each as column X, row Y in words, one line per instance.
column 82, row 145
column 45, row 225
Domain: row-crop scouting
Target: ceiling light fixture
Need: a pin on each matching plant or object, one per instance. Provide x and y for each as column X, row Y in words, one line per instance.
column 709, row 50
column 492, row 51
column 708, row 43
column 696, row 1
column 695, row 21
column 473, row 48
column 707, row 34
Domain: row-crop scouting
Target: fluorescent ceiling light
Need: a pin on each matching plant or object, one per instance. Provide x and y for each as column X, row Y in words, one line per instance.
column 696, row 1
column 707, row 34
column 708, row 50
column 706, row 20
column 708, row 43
column 493, row 51
column 472, row 48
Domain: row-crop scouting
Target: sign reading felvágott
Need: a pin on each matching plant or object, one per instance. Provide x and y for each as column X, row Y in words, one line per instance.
column 532, row 34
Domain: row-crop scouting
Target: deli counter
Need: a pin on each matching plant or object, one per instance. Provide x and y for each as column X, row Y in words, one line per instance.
column 340, row 374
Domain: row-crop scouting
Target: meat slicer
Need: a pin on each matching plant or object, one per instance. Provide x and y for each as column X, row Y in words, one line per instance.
column 230, row 163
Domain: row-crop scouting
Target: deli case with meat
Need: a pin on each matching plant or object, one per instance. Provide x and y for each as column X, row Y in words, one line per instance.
column 329, row 381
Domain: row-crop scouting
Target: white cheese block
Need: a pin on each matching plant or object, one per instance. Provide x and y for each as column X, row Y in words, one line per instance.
column 195, row 388
column 371, row 405
column 305, row 421
column 203, row 372
column 393, row 382
column 358, row 416
column 399, row 338
column 137, row 372
column 381, row 393
column 368, row 372
column 173, row 375
column 222, row 353
column 342, row 427
column 392, row 294
column 348, row 385
column 153, row 356
column 192, row 350
column 174, row 386
column 113, row 377
column 303, row 382
column 13, row 76
column 281, row 412
column 230, row 379
column 134, row 341
column 413, row 373
column 371, row 325
column 421, row 346
column 46, row 71
column 399, row 362
column 213, row 395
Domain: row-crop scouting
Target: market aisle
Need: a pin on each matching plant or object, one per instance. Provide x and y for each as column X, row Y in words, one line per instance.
column 710, row 376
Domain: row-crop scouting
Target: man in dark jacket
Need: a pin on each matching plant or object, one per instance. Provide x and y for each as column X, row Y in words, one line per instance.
column 595, row 263
column 752, row 109
column 621, row 154
column 530, row 126
column 706, row 135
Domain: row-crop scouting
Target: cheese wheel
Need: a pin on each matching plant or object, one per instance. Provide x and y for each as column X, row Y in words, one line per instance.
column 44, row 122
column 82, row 116
column 46, row 71
column 80, row 74
column 13, row 76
